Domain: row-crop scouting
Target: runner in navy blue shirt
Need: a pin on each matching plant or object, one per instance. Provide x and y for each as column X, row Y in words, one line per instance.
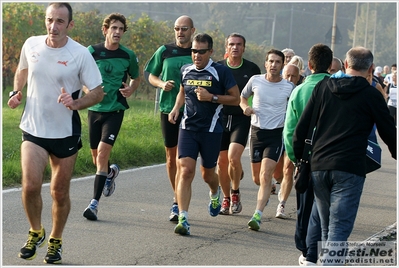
column 205, row 87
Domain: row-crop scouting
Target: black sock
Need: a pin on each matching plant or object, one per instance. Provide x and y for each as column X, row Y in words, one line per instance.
column 99, row 182
column 235, row 191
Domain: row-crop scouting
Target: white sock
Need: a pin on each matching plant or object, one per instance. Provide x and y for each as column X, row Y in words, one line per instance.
column 259, row 212
column 184, row 213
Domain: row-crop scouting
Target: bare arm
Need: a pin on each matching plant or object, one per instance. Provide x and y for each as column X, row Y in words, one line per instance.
column 232, row 98
column 245, row 106
column 128, row 90
column 174, row 114
column 157, row 82
column 94, row 96
column 384, row 94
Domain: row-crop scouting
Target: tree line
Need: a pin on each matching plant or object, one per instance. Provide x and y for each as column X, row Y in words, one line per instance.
column 265, row 25
column 143, row 36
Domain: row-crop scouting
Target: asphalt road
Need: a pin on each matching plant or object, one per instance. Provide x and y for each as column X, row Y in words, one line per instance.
column 133, row 227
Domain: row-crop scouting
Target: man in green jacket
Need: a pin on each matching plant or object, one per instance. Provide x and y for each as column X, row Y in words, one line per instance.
column 320, row 59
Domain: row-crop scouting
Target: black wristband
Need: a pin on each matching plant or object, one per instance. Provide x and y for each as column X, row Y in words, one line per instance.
column 13, row 93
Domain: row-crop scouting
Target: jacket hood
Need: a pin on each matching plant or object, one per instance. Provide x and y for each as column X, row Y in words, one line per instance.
column 345, row 86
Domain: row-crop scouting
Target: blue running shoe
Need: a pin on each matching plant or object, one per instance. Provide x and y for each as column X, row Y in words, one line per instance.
column 91, row 211
column 214, row 205
column 110, row 185
column 174, row 213
column 254, row 223
column 183, row 227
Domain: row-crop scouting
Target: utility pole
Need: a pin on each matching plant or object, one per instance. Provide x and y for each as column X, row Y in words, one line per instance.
column 292, row 14
column 273, row 27
column 334, row 27
column 367, row 24
column 355, row 27
column 375, row 29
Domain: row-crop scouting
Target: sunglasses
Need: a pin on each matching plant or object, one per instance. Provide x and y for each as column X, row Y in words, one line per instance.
column 200, row 51
column 183, row 29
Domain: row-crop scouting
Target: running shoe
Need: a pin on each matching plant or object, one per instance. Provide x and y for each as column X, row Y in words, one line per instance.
column 174, row 213
column 280, row 212
column 110, row 185
column 225, row 210
column 54, row 251
column 28, row 251
column 90, row 212
column 254, row 223
column 236, row 206
column 183, row 227
column 214, row 204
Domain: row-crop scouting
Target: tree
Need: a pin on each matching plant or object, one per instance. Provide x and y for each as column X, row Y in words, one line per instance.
column 20, row 20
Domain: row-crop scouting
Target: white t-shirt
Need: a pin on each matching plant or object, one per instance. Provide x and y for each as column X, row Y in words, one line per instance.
column 388, row 78
column 269, row 101
column 393, row 95
column 49, row 69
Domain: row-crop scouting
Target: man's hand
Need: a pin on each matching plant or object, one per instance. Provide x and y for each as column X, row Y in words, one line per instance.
column 126, row 91
column 248, row 111
column 15, row 100
column 203, row 94
column 67, row 100
column 173, row 116
column 168, row 85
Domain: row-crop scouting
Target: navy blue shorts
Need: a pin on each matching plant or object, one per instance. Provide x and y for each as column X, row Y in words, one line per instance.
column 207, row 144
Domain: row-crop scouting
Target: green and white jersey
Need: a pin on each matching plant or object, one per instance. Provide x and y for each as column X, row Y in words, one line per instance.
column 115, row 67
column 166, row 63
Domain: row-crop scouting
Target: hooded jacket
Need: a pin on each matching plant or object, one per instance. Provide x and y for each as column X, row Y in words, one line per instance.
column 349, row 108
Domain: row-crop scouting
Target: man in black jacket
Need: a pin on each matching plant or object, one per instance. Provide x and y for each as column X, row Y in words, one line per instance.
column 349, row 108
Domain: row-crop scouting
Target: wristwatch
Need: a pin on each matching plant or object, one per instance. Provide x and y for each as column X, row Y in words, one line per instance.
column 12, row 93
column 215, row 99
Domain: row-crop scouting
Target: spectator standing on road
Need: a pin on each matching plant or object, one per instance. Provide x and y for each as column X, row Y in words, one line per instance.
column 270, row 96
column 320, row 59
column 236, row 127
column 50, row 123
column 336, row 66
column 385, row 71
column 205, row 87
column 392, row 91
column 338, row 159
column 388, row 77
column 164, row 72
column 117, row 65
column 298, row 61
column 291, row 73
column 288, row 54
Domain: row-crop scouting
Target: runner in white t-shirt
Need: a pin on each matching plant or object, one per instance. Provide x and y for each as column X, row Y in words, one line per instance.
column 55, row 68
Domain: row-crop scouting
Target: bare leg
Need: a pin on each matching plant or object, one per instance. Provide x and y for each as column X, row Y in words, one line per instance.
column 287, row 182
column 223, row 173
column 34, row 159
column 266, row 171
column 235, row 167
column 62, row 169
column 186, row 175
column 171, row 167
